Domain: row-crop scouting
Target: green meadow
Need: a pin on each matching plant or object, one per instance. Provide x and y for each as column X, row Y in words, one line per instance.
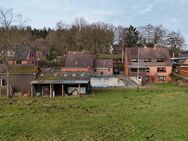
column 156, row 112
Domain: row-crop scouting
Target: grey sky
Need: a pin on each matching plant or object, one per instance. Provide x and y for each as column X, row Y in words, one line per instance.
column 172, row 14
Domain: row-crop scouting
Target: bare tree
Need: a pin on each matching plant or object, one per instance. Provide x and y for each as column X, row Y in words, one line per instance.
column 80, row 23
column 8, row 40
column 153, row 35
column 148, row 33
column 61, row 25
column 176, row 42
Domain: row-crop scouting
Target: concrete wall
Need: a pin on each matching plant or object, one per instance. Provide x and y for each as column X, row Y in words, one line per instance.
column 106, row 82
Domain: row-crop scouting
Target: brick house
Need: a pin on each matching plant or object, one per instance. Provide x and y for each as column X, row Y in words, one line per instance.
column 183, row 68
column 118, row 59
column 150, row 64
column 103, row 67
column 23, row 55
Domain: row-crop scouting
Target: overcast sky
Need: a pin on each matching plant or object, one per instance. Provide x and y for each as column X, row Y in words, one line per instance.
column 172, row 14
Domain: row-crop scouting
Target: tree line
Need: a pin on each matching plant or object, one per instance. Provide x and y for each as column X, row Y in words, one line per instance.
column 95, row 37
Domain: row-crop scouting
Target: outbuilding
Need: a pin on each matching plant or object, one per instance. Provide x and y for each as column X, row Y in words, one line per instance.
column 61, row 84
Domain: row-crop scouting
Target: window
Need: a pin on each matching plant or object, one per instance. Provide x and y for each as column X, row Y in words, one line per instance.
column 147, row 70
column 147, row 60
column 65, row 75
column 18, row 62
column 134, row 70
column 4, row 83
column 95, row 70
column 109, row 70
column 82, row 75
column 161, row 78
column 160, row 59
column 73, row 74
column 161, row 69
column 134, row 60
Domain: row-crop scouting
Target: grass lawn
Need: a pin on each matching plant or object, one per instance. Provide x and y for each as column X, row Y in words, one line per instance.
column 157, row 112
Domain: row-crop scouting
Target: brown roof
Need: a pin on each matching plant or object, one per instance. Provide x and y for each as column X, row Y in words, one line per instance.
column 103, row 63
column 78, row 59
column 146, row 52
column 150, row 53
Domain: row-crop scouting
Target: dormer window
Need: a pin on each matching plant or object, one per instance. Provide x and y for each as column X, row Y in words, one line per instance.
column 160, row 59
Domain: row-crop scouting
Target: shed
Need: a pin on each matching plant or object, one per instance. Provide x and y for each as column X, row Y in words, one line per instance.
column 20, row 78
column 61, row 84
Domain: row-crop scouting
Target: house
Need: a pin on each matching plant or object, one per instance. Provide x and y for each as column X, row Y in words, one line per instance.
column 103, row 67
column 149, row 64
column 51, row 84
column 118, row 61
column 177, row 62
column 20, row 78
column 22, row 55
column 183, row 68
column 78, row 61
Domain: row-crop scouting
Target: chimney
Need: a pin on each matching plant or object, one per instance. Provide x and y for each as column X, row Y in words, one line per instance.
column 126, row 69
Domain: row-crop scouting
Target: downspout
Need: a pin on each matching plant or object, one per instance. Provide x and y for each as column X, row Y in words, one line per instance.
column 126, row 63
